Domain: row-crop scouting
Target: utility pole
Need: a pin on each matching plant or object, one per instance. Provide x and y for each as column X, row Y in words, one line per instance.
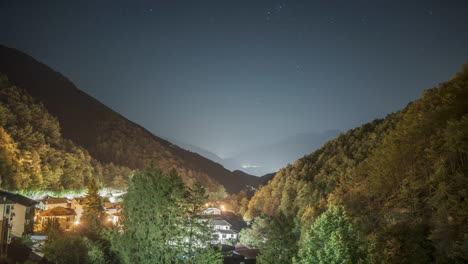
column 4, row 231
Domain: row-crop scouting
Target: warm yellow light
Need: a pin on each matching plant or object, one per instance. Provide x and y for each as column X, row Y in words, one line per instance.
column 222, row 207
column 77, row 222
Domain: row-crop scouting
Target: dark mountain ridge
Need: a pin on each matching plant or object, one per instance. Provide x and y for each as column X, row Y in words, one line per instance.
column 107, row 135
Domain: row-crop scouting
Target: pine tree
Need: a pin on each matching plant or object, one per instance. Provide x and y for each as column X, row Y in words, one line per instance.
column 152, row 220
column 281, row 246
column 331, row 239
column 93, row 211
column 198, row 230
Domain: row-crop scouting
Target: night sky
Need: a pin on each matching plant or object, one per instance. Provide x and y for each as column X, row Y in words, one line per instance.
column 230, row 75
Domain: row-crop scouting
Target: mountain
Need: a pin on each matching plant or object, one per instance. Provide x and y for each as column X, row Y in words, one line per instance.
column 201, row 151
column 402, row 181
column 266, row 159
column 106, row 135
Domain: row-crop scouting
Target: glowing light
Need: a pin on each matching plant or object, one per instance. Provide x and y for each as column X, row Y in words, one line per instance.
column 248, row 166
column 222, row 208
column 77, row 222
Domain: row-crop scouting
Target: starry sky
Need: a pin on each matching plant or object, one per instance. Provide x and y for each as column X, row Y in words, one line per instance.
column 231, row 75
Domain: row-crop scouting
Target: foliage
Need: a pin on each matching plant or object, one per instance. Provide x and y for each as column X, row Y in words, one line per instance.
column 158, row 221
column 282, row 242
column 238, row 202
column 402, row 181
column 93, row 211
column 256, row 235
column 198, row 230
column 331, row 239
column 72, row 249
column 33, row 154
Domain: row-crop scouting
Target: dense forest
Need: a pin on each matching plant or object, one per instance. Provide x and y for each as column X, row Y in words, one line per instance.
column 397, row 185
column 107, row 135
column 33, row 154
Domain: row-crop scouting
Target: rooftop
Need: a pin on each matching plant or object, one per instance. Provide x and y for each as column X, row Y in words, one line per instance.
column 52, row 200
column 221, row 222
column 18, row 198
column 58, row 211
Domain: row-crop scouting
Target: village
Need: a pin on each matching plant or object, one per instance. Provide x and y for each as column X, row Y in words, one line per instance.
column 22, row 217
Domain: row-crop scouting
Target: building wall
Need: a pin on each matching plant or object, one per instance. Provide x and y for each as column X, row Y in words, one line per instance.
column 66, row 222
column 4, row 222
column 18, row 221
column 223, row 227
column 50, row 206
column 75, row 205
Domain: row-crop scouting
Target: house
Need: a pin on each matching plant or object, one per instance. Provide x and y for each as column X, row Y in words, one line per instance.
column 51, row 202
column 77, row 205
column 112, row 208
column 212, row 211
column 113, row 218
column 18, row 214
column 223, row 231
column 65, row 217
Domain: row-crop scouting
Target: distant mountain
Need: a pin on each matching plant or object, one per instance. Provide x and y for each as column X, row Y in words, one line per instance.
column 266, row 159
column 107, row 135
column 201, row 151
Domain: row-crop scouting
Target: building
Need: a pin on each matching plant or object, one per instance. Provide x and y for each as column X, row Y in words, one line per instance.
column 112, row 208
column 21, row 213
column 223, row 231
column 65, row 217
column 212, row 211
column 52, row 202
column 77, row 205
column 5, row 213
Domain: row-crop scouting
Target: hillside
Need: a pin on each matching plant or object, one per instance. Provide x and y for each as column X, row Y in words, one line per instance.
column 35, row 157
column 105, row 134
column 402, row 180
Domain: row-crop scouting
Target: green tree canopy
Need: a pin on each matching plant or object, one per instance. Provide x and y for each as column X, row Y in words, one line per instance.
column 281, row 246
column 330, row 240
column 159, row 222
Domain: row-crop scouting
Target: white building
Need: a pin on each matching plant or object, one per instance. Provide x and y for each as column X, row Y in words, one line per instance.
column 223, row 231
column 212, row 211
column 16, row 217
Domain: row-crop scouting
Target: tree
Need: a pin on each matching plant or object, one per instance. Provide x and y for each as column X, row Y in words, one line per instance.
column 331, row 239
column 73, row 249
column 256, row 235
column 155, row 224
column 281, row 246
column 93, row 211
column 198, row 229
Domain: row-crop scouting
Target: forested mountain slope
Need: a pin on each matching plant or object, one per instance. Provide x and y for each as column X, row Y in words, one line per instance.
column 402, row 180
column 33, row 154
column 105, row 134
